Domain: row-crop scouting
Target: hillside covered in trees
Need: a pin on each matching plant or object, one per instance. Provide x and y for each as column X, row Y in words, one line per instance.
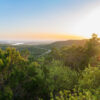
column 70, row 72
column 59, row 44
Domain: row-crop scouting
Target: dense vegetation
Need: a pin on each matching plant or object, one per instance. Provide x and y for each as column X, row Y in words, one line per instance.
column 66, row 73
column 35, row 51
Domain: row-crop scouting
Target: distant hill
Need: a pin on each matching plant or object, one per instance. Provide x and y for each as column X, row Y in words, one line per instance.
column 37, row 50
column 34, row 51
column 17, row 43
column 60, row 44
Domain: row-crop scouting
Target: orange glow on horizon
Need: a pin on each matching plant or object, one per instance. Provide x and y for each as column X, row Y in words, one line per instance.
column 42, row 36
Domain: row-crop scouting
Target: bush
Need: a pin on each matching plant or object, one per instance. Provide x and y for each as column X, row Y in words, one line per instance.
column 77, row 95
column 61, row 77
column 90, row 78
column 6, row 94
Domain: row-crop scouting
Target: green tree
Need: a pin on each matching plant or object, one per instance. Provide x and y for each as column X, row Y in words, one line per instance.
column 92, row 50
column 90, row 78
column 59, row 77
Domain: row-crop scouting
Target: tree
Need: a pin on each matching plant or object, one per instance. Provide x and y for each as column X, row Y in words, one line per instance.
column 90, row 78
column 74, row 57
column 60, row 77
column 10, row 63
column 25, row 53
column 92, row 50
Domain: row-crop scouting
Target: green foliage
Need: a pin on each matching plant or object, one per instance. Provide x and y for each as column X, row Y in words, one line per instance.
column 35, row 64
column 78, row 57
column 26, row 76
column 25, row 53
column 1, row 63
column 60, row 75
column 76, row 95
column 90, row 78
column 74, row 57
column 6, row 94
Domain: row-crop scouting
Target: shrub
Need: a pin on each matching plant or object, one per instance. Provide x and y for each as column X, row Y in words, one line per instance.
column 6, row 94
column 90, row 78
column 61, row 77
column 67, row 95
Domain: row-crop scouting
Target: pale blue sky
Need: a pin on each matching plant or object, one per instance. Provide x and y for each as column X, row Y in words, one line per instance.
column 29, row 17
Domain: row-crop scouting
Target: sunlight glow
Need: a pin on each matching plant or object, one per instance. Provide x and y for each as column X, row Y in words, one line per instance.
column 89, row 24
column 41, row 36
column 51, row 19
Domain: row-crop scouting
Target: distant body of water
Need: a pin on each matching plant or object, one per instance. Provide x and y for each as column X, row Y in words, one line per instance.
column 18, row 44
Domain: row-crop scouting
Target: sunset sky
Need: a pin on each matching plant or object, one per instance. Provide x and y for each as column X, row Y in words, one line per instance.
column 49, row 19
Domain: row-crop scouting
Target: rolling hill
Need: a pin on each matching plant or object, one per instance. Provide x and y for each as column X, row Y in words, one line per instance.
column 59, row 44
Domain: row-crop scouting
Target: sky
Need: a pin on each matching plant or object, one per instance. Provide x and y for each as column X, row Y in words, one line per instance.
column 49, row 19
